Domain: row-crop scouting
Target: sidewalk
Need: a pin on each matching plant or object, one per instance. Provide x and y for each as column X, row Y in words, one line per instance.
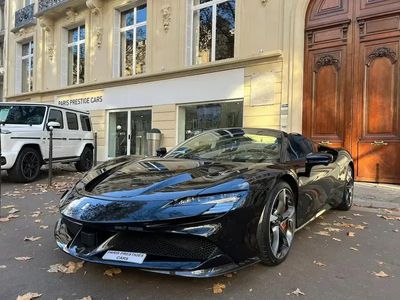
column 377, row 195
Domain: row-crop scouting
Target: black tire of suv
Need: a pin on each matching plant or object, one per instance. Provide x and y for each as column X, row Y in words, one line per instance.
column 30, row 159
column 85, row 162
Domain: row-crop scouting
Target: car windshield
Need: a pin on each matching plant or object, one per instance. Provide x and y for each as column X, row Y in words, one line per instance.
column 234, row 145
column 22, row 114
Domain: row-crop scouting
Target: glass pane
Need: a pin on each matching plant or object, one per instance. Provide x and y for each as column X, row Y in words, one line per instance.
column 81, row 33
column 32, row 47
column 72, row 121
column 127, row 18
column 82, row 63
column 141, row 14
column 25, row 49
column 72, row 65
column 31, row 74
column 56, row 116
column 202, row 35
column 25, row 78
column 199, row 118
column 127, row 53
column 197, row 2
column 141, row 34
column 225, row 37
column 118, row 134
column 73, row 35
column 140, row 125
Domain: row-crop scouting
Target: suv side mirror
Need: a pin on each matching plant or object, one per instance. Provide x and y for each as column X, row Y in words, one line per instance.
column 161, row 152
column 53, row 125
column 317, row 159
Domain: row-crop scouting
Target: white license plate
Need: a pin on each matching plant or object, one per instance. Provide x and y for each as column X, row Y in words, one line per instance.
column 132, row 257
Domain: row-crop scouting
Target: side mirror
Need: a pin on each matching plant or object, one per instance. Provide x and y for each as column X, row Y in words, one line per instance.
column 317, row 159
column 161, row 152
column 53, row 125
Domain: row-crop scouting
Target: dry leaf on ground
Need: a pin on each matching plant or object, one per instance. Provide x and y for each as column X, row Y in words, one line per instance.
column 357, row 215
column 336, row 239
column 344, row 218
column 381, row 274
column 69, row 268
column 323, row 233
column 297, row 292
column 354, row 249
column 86, row 298
column 23, row 258
column 8, row 206
column 35, row 214
column 361, row 227
column 29, row 296
column 13, row 211
column 112, row 272
column 351, row 234
column 4, row 220
column 3, row 267
column 43, row 226
column 32, row 238
column 390, row 218
column 319, row 264
column 218, row 288
column 332, row 229
column 38, row 221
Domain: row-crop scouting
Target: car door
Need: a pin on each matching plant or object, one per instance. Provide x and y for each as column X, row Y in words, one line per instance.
column 60, row 142
column 315, row 189
column 73, row 134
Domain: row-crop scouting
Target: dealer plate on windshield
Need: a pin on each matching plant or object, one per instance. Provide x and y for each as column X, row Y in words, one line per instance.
column 131, row 257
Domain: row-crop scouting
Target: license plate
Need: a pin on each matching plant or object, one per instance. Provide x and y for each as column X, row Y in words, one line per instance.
column 131, row 257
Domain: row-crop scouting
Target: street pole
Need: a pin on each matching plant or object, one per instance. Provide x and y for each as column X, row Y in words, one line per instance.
column 95, row 150
column 51, row 156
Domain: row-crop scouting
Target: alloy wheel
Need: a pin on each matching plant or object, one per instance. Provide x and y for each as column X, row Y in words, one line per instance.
column 282, row 223
column 30, row 165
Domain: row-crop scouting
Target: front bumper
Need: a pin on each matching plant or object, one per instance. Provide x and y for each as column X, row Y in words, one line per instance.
column 8, row 160
column 204, row 249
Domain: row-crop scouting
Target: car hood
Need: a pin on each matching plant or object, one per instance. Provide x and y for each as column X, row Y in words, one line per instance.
column 138, row 190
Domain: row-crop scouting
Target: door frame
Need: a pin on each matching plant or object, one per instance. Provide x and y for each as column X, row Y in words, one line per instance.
column 129, row 126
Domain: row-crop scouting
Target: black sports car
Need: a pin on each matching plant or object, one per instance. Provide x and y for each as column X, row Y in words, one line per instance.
column 217, row 202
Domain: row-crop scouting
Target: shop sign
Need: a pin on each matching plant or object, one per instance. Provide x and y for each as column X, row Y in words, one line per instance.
column 87, row 101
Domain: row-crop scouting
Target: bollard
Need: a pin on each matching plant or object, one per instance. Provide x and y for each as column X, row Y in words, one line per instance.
column 51, row 156
column 95, row 150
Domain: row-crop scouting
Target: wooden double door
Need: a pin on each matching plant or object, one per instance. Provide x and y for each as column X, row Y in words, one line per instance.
column 351, row 82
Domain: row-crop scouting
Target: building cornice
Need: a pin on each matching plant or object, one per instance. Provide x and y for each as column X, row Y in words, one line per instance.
column 218, row 66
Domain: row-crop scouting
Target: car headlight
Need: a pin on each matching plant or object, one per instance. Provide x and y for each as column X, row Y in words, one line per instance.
column 219, row 203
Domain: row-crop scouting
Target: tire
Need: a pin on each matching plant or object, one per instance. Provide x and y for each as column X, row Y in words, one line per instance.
column 348, row 193
column 277, row 225
column 85, row 162
column 27, row 166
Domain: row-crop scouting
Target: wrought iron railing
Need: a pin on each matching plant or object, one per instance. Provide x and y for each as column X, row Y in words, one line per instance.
column 24, row 16
column 47, row 4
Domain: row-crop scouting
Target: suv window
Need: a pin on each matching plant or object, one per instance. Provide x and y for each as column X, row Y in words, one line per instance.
column 85, row 123
column 299, row 147
column 72, row 121
column 56, row 116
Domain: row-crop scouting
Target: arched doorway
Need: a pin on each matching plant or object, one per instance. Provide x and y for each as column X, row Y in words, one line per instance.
column 351, row 82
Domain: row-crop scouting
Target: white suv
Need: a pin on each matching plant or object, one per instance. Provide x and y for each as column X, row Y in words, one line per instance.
column 25, row 138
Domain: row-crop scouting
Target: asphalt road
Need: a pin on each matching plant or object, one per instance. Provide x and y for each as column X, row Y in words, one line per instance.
column 343, row 273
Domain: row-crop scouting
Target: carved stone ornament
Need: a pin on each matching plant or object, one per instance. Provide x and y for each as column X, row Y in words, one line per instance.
column 166, row 17
column 48, row 27
column 264, row 2
column 382, row 52
column 96, row 8
column 327, row 60
column 71, row 15
column 99, row 36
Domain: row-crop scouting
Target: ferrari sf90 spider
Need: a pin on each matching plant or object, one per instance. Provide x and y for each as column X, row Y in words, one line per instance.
column 217, row 202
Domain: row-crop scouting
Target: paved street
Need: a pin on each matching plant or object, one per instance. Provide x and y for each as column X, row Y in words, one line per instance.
column 326, row 261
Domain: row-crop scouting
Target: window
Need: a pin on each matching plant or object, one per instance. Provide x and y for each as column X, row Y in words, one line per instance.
column 85, row 123
column 76, row 55
column 299, row 147
column 213, row 32
column 202, row 117
column 133, row 40
column 56, row 116
column 72, row 121
column 28, row 2
column 27, row 67
column 22, row 114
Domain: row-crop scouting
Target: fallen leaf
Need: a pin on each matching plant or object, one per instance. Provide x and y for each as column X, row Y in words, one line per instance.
column 361, row 227
column 344, row 218
column 319, row 264
column 23, row 258
column 43, row 226
column 323, row 233
column 29, row 296
column 395, row 230
column 218, row 288
column 332, row 229
column 351, row 234
column 342, row 224
column 35, row 214
column 381, row 274
column 354, row 249
column 32, row 238
column 112, row 272
column 8, row 206
column 4, row 220
column 336, row 239
column 12, row 216
column 38, row 221
column 389, row 218
column 13, row 211
column 297, row 292
column 3, row 267
column 86, row 298
column 357, row 215
column 69, row 268
column 324, row 224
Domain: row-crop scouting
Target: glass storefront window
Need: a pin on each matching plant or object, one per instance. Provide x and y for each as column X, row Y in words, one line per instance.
column 202, row 117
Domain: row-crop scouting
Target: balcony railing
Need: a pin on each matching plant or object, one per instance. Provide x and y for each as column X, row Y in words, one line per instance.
column 25, row 17
column 48, row 4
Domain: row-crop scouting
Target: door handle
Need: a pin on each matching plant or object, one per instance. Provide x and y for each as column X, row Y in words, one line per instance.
column 325, row 143
column 379, row 143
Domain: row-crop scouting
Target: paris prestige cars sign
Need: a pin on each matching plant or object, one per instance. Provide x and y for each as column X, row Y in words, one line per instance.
column 85, row 101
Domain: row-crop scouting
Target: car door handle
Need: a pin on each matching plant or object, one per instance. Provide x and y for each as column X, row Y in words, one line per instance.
column 379, row 143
